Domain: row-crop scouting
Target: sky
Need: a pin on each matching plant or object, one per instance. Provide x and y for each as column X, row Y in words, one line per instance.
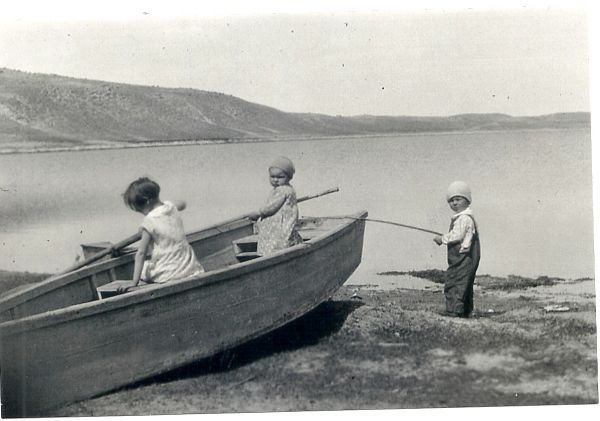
column 336, row 58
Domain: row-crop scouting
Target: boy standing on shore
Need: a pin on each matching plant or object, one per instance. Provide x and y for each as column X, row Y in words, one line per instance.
column 463, row 252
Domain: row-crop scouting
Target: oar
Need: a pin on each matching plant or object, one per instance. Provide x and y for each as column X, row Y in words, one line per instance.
column 323, row 193
column 135, row 237
column 95, row 257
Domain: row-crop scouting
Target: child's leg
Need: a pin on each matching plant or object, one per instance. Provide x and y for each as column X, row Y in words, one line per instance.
column 469, row 298
column 458, row 288
column 473, row 265
column 454, row 290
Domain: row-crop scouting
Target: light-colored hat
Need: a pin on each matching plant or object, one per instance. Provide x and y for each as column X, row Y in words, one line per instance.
column 459, row 188
column 285, row 165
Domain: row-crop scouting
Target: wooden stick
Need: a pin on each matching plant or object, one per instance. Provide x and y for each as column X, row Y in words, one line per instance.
column 323, row 193
column 300, row 199
column 384, row 222
column 95, row 257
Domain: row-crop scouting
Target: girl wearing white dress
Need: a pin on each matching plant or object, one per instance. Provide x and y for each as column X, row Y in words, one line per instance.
column 163, row 253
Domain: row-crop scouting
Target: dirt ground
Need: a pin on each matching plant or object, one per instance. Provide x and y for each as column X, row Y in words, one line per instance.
column 385, row 346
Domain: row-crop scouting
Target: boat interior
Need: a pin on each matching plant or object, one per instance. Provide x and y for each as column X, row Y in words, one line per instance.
column 216, row 247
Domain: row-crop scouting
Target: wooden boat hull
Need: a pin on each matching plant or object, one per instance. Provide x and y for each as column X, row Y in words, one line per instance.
column 64, row 355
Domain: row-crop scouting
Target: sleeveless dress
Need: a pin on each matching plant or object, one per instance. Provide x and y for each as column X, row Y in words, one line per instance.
column 278, row 231
column 172, row 257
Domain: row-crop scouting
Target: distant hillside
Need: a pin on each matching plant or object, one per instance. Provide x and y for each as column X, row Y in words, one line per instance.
column 49, row 111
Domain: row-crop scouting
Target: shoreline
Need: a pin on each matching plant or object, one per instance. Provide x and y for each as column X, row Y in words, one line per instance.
column 115, row 145
column 427, row 279
column 373, row 349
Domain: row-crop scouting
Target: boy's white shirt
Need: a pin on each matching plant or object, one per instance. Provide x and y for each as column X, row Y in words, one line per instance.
column 462, row 230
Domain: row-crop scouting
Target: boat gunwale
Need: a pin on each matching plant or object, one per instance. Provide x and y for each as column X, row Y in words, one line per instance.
column 153, row 292
column 57, row 281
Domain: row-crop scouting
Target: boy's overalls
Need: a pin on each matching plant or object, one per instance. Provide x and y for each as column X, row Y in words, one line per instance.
column 460, row 275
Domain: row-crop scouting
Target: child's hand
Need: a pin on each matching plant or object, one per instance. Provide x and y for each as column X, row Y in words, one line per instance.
column 438, row 240
column 127, row 287
column 253, row 216
column 115, row 252
column 180, row 204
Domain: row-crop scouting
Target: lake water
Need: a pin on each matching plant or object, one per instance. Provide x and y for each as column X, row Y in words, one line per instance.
column 532, row 196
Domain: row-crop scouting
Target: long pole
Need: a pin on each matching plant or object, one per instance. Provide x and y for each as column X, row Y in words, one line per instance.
column 95, row 257
column 385, row 222
column 323, row 193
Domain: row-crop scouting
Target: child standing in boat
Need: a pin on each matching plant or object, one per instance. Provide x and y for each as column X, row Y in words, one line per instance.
column 163, row 253
column 463, row 252
column 277, row 218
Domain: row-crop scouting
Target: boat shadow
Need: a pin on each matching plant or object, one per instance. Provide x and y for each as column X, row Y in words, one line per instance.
column 323, row 321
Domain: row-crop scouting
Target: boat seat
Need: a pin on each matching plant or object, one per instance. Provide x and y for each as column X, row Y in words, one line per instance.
column 249, row 255
column 111, row 289
column 245, row 248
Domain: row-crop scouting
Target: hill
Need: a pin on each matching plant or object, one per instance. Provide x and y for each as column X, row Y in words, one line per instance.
column 39, row 111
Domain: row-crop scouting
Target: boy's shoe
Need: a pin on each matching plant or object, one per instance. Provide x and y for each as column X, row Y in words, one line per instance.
column 449, row 314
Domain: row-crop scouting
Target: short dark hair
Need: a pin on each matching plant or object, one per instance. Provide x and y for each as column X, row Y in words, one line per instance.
column 140, row 193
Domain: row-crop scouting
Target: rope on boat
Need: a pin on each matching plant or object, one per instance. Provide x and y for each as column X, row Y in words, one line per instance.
column 384, row 222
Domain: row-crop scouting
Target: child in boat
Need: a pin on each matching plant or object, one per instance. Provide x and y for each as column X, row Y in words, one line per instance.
column 463, row 252
column 277, row 218
column 163, row 253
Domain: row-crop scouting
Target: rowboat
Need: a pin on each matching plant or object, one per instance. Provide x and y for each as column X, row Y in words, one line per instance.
column 61, row 341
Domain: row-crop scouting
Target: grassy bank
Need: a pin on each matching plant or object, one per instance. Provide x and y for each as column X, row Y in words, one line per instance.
column 11, row 280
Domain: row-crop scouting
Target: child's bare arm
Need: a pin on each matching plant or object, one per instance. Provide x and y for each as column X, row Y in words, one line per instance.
column 272, row 206
column 140, row 256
